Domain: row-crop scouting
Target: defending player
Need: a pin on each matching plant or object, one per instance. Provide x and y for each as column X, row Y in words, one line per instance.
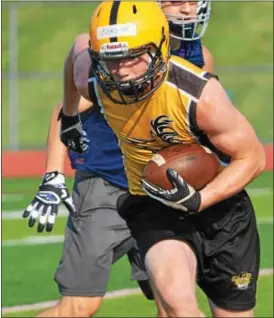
column 151, row 102
column 188, row 21
column 96, row 236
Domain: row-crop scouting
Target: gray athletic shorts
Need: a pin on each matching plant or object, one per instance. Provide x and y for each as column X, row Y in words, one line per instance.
column 94, row 240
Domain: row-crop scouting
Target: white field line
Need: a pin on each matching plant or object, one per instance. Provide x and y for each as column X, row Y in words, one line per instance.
column 37, row 240
column 12, row 197
column 110, row 295
column 53, row 239
column 43, row 305
column 257, row 192
column 34, row 240
column 15, row 215
column 265, row 220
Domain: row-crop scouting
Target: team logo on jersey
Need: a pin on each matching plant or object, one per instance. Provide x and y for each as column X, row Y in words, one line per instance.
column 242, row 281
column 162, row 131
column 161, row 134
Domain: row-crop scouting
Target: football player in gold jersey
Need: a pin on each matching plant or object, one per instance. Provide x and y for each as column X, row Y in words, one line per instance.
column 151, row 102
column 188, row 46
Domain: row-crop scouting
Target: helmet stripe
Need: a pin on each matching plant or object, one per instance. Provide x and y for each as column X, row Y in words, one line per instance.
column 113, row 17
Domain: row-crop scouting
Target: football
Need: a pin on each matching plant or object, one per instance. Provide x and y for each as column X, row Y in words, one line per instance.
column 196, row 164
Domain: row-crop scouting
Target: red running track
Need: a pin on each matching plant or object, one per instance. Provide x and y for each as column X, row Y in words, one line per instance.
column 26, row 164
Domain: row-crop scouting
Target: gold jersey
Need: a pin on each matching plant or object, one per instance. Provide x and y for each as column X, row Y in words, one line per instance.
column 165, row 118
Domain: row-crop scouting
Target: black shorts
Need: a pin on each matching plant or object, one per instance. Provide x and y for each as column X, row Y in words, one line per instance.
column 224, row 238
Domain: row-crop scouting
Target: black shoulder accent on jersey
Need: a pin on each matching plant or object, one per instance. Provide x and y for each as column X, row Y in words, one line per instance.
column 186, row 80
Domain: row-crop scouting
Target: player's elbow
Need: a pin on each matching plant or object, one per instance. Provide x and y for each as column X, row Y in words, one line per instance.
column 56, row 111
column 260, row 161
column 208, row 59
column 82, row 37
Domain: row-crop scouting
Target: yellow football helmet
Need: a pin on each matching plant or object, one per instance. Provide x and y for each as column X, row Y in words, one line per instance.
column 123, row 30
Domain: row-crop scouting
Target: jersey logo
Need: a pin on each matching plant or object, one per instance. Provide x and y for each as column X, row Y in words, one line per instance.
column 161, row 132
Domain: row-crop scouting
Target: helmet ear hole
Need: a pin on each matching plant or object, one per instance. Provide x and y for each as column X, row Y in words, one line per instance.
column 134, row 9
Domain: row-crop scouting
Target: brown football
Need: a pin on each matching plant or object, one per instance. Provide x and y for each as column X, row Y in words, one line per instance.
column 196, row 164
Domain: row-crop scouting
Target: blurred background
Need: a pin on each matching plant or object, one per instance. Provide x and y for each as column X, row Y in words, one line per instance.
column 35, row 40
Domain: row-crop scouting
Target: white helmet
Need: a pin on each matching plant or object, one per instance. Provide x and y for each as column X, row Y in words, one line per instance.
column 193, row 27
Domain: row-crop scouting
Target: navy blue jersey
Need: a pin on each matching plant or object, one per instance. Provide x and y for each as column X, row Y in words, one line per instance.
column 191, row 51
column 104, row 158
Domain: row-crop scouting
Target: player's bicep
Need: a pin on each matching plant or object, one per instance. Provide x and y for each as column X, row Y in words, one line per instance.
column 225, row 126
column 235, row 138
column 84, row 104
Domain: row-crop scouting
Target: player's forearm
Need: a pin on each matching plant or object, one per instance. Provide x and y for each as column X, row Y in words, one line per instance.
column 71, row 96
column 232, row 180
column 56, row 151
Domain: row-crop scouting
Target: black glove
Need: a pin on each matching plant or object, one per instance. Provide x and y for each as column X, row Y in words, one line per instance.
column 181, row 197
column 72, row 134
column 52, row 192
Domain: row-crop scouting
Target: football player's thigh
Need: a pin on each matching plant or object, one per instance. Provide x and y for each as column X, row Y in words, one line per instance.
column 178, row 266
column 87, row 257
column 231, row 279
column 90, row 239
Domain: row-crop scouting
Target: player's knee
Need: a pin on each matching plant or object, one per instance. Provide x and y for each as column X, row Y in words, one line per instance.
column 80, row 306
column 83, row 310
column 180, row 304
column 161, row 313
column 186, row 308
column 176, row 296
column 185, row 312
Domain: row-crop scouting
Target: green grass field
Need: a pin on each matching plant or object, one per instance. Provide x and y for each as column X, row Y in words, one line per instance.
column 138, row 306
column 27, row 270
column 237, row 36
